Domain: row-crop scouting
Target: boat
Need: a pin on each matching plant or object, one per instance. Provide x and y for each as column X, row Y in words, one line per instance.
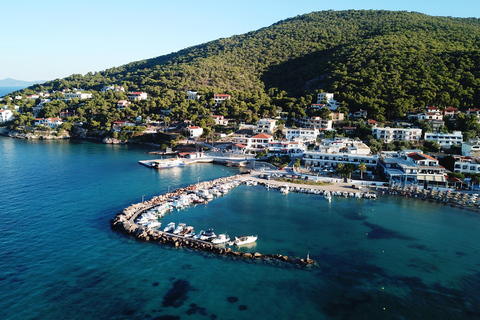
column 328, row 196
column 179, row 228
column 186, row 230
column 153, row 224
column 170, row 227
column 167, row 163
column 238, row 241
column 222, row 238
column 205, row 194
column 207, row 235
column 284, row 189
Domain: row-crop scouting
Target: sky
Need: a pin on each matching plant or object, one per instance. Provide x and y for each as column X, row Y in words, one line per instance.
column 50, row 39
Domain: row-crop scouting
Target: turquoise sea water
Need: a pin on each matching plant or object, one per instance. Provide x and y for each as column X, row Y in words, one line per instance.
column 394, row 258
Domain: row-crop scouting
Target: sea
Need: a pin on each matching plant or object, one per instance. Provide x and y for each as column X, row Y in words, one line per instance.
column 4, row 90
column 391, row 258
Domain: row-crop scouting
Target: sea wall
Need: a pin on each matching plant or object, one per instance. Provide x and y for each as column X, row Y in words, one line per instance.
column 125, row 222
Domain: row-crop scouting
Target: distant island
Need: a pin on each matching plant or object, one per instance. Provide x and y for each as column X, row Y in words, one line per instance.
column 9, row 82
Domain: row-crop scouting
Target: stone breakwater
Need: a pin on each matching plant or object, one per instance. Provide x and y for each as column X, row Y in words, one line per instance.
column 125, row 223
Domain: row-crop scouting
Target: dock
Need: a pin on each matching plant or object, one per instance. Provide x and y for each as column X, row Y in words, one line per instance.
column 125, row 223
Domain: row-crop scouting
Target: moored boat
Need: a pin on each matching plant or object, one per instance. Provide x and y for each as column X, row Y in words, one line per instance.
column 170, row 227
column 222, row 238
column 238, row 241
column 167, row 163
column 179, row 228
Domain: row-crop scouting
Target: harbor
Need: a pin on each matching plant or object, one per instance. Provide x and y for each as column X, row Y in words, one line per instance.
column 143, row 220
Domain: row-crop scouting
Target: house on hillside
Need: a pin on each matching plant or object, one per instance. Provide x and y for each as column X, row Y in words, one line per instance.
column 137, row 96
column 220, row 120
column 194, row 131
column 328, row 99
column 193, row 95
column 48, row 122
column 219, row 98
column 265, row 126
column 122, row 104
column 6, row 115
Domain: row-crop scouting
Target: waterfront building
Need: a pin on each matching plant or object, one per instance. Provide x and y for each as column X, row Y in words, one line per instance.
column 466, row 165
column 304, row 134
column 137, row 96
column 445, row 140
column 331, row 152
column 194, row 131
column 6, row 115
column 291, row 148
column 78, row 94
column 258, row 142
column 397, row 134
column 48, row 122
column 265, row 126
column 119, row 124
column 412, row 167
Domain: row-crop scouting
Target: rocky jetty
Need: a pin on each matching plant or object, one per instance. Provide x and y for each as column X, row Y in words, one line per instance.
column 125, row 223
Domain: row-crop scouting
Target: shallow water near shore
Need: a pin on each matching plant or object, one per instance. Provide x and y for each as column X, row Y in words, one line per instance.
column 393, row 258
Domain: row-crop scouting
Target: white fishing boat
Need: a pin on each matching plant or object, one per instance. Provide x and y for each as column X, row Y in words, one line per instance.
column 222, row 238
column 205, row 194
column 238, row 241
column 170, row 227
column 167, row 163
column 153, row 224
column 285, row 189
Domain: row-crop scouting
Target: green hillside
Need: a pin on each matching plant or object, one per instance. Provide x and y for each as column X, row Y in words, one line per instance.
column 385, row 62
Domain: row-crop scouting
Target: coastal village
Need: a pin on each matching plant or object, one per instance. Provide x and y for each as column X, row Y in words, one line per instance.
column 417, row 150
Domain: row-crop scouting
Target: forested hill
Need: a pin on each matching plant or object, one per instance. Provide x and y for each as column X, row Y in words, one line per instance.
column 385, row 62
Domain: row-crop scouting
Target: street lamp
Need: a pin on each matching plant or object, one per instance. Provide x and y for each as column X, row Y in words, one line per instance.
column 143, row 197
column 169, row 189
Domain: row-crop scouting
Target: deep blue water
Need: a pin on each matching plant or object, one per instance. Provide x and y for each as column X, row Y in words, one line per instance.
column 393, row 258
column 4, row 90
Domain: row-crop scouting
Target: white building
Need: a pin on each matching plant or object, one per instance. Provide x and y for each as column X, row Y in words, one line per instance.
column 412, row 167
column 340, row 150
column 305, row 134
column 194, row 131
column 78, row 94
column 258, row 142
column 219, row 98
column 466, row 165
column 315, row 123
column 113, row 88
column 430, row 116
column 193, row 95
column 49, row 122
column 122, row 104
column 328, row 99
column 445, row 140
column 471, row 148
column 396, row 134
column 291, row 148
column 6, row 115
column 265, row 126
column 137, row 96
column 220, row 120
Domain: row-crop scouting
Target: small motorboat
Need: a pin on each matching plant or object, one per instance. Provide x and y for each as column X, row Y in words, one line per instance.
column 222, row 238
column 179, row 228
column 170, row 227
column 207, row 235
column 238, row 241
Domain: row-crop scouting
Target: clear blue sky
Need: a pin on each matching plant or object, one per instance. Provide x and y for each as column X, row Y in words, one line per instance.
column 44, row 40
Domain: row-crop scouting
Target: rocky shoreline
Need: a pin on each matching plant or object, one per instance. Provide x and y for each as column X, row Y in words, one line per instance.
column 125, row 222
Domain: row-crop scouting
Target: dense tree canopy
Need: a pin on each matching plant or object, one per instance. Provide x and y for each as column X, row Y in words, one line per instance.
column 385, row 62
